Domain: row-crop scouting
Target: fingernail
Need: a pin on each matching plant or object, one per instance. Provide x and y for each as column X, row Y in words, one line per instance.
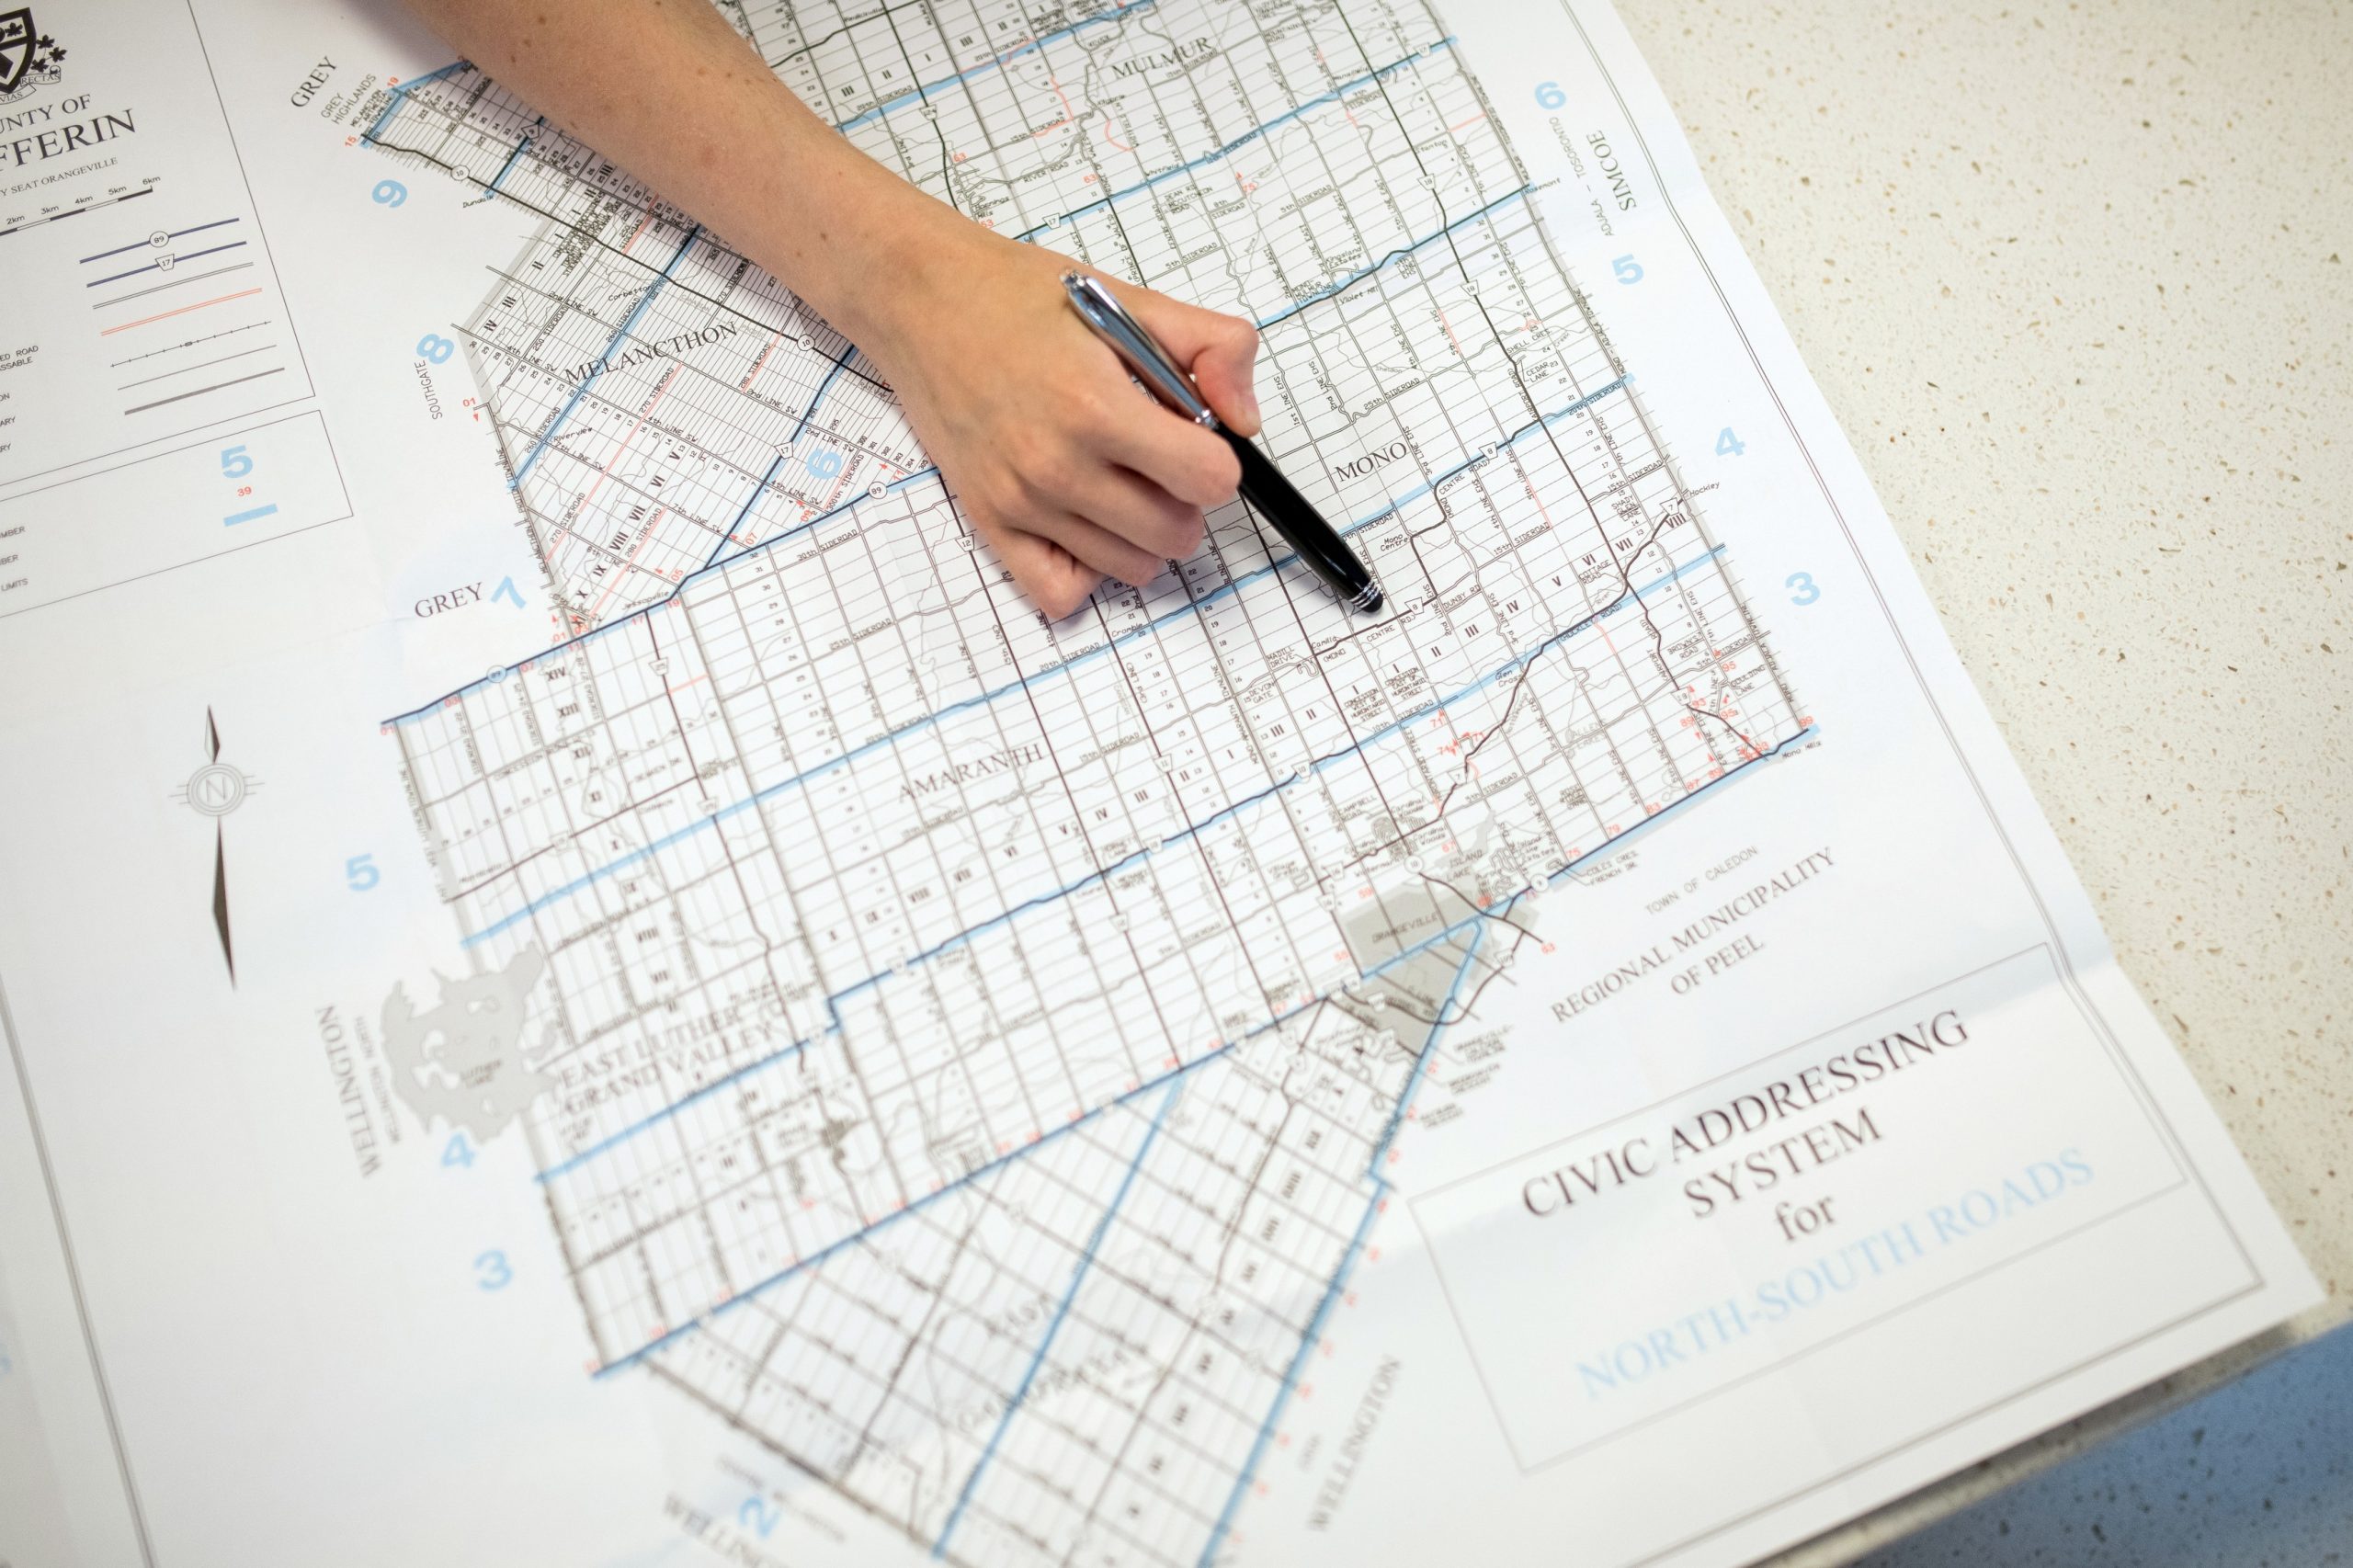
column 1250, row 405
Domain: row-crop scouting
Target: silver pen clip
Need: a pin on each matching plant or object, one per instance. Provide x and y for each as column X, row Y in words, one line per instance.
column 1144, row 358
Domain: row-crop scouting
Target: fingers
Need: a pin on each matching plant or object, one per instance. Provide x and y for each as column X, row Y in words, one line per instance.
column 1181, row 459
column 1098, row 547
column 1139, row 512
column 1073, row 488
column 1050, row 575
column 1081, row 476
column 1220, row 350
column 1096, row 551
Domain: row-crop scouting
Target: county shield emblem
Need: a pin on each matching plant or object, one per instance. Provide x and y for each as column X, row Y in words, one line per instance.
column 15, row 46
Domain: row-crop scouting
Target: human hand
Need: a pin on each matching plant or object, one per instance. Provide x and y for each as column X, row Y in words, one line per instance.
column 1069, row 469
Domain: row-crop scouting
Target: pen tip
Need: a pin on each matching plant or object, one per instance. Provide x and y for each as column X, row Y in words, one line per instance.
column 1368, row 601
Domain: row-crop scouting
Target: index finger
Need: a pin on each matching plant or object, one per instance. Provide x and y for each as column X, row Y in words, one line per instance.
column 1057, row 579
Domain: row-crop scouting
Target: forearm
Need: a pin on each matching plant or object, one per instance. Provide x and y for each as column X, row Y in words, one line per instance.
column 670, row 92
column 1051, row 453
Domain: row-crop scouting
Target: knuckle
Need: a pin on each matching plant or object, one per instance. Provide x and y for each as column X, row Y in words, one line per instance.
column 1142, row 517
column 1027, row 496
column 1178, row 537
column 1072, row 406
column 1055, row 474
column 1177, row 532
column 1032, row 456
column 1000, row 507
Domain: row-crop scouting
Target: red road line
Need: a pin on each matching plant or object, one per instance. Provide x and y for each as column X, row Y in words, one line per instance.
column 605, row 472
column 1067, row 112
column 613, row 582
column 647, row 534
column 754, row 374
column 184, row 310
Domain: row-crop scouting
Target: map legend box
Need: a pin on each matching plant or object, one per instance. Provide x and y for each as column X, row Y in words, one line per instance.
column 229, row 491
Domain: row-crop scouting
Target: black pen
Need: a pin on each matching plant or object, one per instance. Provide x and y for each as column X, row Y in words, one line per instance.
column 1263, row 485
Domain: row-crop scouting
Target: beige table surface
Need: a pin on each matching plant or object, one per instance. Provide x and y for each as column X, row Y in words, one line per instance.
column 2078, row 282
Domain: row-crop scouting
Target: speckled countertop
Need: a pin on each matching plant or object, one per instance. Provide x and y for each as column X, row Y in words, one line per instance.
column 2078, row 282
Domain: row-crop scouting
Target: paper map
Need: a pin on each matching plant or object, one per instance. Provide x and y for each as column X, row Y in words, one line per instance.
column 589, row 983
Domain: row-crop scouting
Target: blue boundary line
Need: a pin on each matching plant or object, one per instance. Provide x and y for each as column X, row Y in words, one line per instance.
column 1451, row 933
column 1174, row 1080
column 539, row 446
column 581, row 391
column 1381, row 1190
column 995, row 63
column 399, row 94
column 1354, row 279
column 868, row 1229
column 1334, row 96
column 1071, row 664
column 744, row 510
column 559, row 649
column 823, row 387
column 1404, row 1099
column 1102, row 874
column 791, row 441
column 1053, row 1327
column 967, row 1179
column 512, row 158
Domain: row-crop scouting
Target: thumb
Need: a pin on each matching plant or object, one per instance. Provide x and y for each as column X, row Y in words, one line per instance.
column 1218, row 349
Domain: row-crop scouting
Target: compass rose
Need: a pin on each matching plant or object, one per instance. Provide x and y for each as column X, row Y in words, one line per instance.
column 214, row 791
